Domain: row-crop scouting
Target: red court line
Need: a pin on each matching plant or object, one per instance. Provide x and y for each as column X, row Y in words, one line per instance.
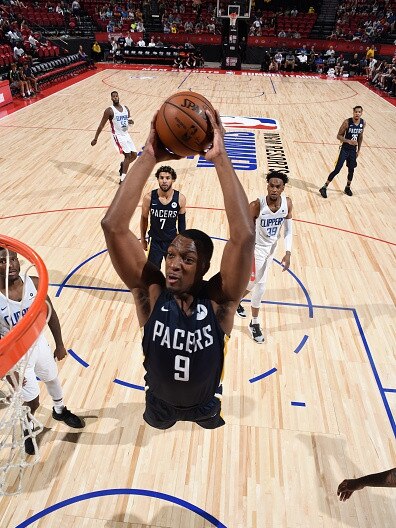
column 380, row 93
column 195, row 207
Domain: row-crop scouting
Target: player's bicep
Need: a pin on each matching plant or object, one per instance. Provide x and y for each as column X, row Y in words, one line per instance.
column 128, row 258
column 235, row 269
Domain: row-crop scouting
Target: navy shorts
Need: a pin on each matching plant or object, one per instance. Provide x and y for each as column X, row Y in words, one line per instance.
column 157, row 251
column 162, row 415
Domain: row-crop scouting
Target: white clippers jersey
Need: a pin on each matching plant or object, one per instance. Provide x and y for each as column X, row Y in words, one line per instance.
column 12, row 311
column 119, row 123
column 268, row 224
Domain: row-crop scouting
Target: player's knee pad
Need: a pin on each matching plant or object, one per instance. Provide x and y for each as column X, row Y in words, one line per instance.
column 257, row 295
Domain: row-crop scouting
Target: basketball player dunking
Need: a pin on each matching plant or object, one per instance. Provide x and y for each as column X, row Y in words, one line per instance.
column 269, row 214
column 167, row 209
column 351, row 137
column 186, row 320
column 41, row 361
column 119, row 119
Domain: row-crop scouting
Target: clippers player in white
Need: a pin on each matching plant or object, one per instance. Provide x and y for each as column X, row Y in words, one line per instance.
column 119, row 118
column 41, row 362
column 269, row 214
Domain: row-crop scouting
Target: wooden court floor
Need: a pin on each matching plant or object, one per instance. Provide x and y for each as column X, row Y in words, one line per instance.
column 313, row 405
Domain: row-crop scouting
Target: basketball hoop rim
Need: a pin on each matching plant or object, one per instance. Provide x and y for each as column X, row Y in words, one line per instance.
column 22, row 336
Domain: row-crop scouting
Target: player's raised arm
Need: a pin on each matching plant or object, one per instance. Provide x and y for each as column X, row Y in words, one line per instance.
column 126, row 251
column 237, row 257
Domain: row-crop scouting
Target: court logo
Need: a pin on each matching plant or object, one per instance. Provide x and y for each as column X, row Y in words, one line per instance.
column 251, row 123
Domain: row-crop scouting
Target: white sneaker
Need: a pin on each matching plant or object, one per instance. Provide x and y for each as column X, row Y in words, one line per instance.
column 241, row 312
column 122, row 177
column 256, row 333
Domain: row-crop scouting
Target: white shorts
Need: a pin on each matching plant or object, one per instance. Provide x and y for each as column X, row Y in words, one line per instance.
column 263, row 257
column 41, row 363
column 124, row 143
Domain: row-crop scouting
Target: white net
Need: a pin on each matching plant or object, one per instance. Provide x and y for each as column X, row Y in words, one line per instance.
column 233, row 19
column 18, row 427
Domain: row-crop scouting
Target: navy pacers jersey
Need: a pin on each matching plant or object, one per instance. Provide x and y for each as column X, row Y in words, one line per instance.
column 163, row 218
column 353, row 132
column 183, row 355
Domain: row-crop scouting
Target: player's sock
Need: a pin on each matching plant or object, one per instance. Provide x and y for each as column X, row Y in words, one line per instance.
column 122, row 177
column 255, row 320
column 58, row 406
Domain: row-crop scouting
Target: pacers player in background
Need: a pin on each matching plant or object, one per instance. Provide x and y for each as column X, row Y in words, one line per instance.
column 186, row 320
column 119, row 119
column 167, row 210
column 269, row 214
column 351, row 137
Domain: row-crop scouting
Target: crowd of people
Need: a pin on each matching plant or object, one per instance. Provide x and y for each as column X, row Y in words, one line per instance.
column 364, row 20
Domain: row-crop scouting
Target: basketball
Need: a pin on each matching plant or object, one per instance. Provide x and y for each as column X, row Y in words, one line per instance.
column 182, row 124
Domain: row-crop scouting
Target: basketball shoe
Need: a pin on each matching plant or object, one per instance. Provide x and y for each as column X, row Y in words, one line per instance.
column 348, row 191
column 323, row 191
column 241, row 311
column 68, row 417
column 256, row 333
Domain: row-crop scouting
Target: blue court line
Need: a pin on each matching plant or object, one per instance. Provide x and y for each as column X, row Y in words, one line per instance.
column 297, row 404
column 77, row 358
column 390, row 390
column 97, row 288
column 73, row 271
column 303, row 341
column 264, row 375
column 126, row 384
column 273, row 85
column 123, row 491
column 304, row 289
column 375, row 372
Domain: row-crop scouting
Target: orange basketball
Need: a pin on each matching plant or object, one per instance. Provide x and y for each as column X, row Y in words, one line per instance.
column 182, row 124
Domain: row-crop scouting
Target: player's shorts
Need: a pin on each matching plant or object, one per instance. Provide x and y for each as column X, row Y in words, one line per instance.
column 157, row 251
column 263, row 257
column 162, row 415
column 41, row 363
column 124, row 143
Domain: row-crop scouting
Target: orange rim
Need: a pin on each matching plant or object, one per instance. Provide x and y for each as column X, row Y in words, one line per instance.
column 21, row 337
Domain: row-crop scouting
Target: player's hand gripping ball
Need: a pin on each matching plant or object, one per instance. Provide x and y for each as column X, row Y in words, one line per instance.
column 182, row 124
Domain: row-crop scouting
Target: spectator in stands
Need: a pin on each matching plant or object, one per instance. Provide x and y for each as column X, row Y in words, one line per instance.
column 141, row 43
column 330, row 52
column 151, row 44
column 319, row 63
column 282, row 34
column 34, row 43
column 302, row 61
column 370, row 52
column 242, row 49
column 16, row 82
column 140, row 27
column 159, row 43
column 81, row 54
column 76, row 8
column 188, row 26
column 294, row 12
column 211, row 28
column 14, row 37
column 18, row 52
column 279, row 59
column 191, row 62
column 290, row 61
column 59, row 9
column 311, row 10
column 129, row 41
column 25, row 78
column 273, row 66
column 355, row 65
column 266, row 62
column 199, row 59
column 96, row 51
column 339, row 66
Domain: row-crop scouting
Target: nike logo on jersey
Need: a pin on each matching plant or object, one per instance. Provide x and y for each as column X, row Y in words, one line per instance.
column 4, row 309
column 163, row 309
